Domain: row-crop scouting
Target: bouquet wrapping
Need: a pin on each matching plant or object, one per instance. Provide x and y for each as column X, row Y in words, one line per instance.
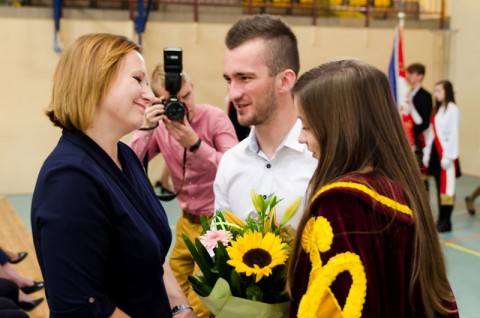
column 222, row 304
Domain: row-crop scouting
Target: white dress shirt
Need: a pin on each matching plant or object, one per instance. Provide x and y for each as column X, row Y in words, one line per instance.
column 245, row 167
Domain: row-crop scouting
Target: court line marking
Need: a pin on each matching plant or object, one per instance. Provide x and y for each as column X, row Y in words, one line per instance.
column 463, row 249
column 462, row 238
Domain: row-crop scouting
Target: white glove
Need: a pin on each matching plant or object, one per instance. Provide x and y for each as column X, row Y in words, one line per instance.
column 446, row 163
column 425, row 161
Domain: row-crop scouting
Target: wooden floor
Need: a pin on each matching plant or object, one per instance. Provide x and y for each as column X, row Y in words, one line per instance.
column 15, row 236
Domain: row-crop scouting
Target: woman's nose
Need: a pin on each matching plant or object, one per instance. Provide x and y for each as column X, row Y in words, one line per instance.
column 148, row 95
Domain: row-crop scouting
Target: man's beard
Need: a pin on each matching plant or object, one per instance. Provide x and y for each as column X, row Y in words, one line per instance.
column 265, row 109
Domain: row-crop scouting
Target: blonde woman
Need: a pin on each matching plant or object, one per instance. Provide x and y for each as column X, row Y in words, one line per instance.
column 100, row 233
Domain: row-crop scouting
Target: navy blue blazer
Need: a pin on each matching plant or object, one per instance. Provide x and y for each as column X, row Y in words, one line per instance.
column 100, row 234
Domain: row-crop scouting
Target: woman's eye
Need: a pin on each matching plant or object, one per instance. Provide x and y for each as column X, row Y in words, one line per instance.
column 138, row 79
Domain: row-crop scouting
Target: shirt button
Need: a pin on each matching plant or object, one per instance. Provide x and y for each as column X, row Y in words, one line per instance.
column 269, row 165
column 91, row 300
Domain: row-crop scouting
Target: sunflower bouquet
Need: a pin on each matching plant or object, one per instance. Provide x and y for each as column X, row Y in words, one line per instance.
column 243, row 262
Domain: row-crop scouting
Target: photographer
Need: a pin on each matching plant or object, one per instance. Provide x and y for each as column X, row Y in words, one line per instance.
column 206, row 133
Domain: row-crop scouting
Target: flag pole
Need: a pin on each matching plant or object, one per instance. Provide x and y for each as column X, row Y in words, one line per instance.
column 401, row 13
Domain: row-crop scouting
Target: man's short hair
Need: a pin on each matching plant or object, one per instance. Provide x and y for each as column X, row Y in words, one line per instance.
column 158, row 79
column 416, row 68
column 280, row 41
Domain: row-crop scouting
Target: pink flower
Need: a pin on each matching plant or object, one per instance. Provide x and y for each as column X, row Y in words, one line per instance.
column 210, row 238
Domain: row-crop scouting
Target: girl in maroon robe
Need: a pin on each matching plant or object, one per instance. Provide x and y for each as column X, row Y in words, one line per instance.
column 367, row 244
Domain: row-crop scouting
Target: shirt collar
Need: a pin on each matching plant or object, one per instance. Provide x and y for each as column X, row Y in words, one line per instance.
column 290, row 140
column 414, row 91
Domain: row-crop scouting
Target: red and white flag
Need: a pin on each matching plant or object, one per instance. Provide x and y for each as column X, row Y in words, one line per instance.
column 399, row 85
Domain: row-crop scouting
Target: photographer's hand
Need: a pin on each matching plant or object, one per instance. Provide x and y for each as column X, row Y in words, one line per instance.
column 153, row 114
column 181, row 131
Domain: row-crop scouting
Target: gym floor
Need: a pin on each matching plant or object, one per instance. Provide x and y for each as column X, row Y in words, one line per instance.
column 461, row 246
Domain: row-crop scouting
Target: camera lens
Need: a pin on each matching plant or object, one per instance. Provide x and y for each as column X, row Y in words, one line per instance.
column 174, row 110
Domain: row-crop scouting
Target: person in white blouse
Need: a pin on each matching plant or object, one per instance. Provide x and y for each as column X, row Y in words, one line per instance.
column 440, row 154
column 261, row 63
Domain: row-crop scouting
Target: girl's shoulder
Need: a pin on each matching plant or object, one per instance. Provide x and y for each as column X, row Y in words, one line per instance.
column 379, row 192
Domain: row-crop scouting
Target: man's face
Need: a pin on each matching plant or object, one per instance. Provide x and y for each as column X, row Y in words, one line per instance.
column 414, row 79
column 250, row 86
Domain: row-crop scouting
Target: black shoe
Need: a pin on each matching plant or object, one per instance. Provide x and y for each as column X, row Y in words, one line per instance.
column 29, row 305
column 20, row 257
column 444, row 227
column 470, row 211
column 35, row 287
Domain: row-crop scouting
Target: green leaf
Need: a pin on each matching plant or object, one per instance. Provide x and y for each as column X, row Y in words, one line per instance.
column 278, row 274
column 221, row 258
column 236, row 284
column 202, row 264
column 204, row 253
column 200, row 285
column 254, row 293
column 205, row 224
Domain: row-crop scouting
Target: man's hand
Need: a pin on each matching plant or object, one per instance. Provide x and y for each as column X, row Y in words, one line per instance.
column 446, row 163
column 153, row 113
column 181, row 131
column 425, row 160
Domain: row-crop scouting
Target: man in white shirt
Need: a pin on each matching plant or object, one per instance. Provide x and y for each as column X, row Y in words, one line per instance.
column 261, row 64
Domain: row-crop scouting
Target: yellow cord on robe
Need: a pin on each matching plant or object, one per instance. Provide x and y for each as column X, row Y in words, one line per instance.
column 319, row 301
column 375, row 195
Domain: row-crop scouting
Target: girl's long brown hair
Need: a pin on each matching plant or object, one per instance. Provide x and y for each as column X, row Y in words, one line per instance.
column 349, row 107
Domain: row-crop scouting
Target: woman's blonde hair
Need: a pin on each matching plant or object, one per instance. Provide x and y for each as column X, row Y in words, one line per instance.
column 83, row 76
column 348, row 106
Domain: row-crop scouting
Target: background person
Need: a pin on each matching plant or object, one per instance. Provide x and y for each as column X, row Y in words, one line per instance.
column 470, row 201
column 100, row 233
column 8, row 271
column 368, row 232
column 260, row 66
column 10, row 289
column 13, row 257
column 10, row 301
column 422, row 101
column 440, row 154
column 206, row 131
column 242, row 132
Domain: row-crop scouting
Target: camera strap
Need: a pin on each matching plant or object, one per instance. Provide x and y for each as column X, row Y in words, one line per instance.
column 169, row 196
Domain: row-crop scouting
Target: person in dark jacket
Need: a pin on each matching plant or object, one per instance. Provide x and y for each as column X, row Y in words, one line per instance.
column 100, row 234
column 423, row 103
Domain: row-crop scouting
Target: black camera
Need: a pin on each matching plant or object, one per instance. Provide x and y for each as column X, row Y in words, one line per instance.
column 172, row 65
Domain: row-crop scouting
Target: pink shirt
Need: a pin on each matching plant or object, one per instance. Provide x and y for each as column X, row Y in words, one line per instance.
column 213, row 126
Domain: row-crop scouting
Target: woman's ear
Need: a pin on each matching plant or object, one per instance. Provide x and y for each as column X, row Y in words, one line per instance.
column 287, row 79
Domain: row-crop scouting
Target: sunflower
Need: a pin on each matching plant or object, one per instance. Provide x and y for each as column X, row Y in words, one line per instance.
column 256, row 254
